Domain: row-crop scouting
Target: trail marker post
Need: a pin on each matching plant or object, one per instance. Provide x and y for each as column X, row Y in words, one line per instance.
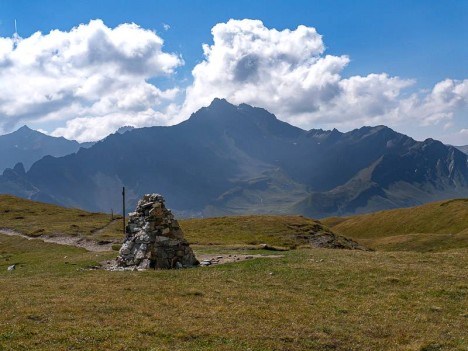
column 123, row 208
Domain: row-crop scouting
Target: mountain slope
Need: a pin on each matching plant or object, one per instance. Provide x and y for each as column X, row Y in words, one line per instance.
column 425, row 171
column 435, row 226
column 463, row 149
column 229, row 159
column 27, row 146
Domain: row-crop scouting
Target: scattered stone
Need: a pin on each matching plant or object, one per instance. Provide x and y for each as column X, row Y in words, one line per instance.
column 11, row 268
column 205, row 263
column 154, row 239
column 329, row 240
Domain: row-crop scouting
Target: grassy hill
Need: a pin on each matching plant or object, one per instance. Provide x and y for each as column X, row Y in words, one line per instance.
column 307, row 299
column 283, row 231
column 304, row 299
column 432, row 227
column 36, row 218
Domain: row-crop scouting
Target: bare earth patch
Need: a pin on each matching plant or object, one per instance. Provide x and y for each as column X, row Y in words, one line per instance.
column 89, row 245
column 210, row 260
column 94, row 246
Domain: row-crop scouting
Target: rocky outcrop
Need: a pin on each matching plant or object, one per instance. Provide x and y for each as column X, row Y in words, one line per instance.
column 154, row 238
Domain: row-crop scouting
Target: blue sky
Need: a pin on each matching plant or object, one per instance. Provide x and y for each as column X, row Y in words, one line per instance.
column 422, row 41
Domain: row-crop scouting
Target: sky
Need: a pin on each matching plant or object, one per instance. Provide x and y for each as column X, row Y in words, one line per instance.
column 82, row 69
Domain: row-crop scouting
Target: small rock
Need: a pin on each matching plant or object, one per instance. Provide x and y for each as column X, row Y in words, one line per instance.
column 11, row 268
column 248, row 257
column 219, row 257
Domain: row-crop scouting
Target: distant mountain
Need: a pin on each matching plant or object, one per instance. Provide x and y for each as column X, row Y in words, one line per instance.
column 27, row 146
column 230, row 159
column 419, row 173
column 124, row 129
column 463, row 148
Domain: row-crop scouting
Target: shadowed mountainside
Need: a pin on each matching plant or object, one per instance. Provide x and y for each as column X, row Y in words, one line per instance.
column 27, row 146
column 229, row 159
column 463, row 148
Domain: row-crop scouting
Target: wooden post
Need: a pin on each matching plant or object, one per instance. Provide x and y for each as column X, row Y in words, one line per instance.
column 123, row 208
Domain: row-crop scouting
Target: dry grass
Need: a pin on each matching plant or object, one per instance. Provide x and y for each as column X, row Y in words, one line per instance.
column 35, row 219
column 308, row 299
column 314, row 299
column 433, row 227
column 250, row 230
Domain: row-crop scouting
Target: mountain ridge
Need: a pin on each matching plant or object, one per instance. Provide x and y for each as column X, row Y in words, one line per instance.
column 27, row 146
column 228, row 160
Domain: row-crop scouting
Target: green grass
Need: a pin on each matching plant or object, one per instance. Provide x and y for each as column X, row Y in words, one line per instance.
column 36, row 219
column 283, row 231
column 309, row 299
column 306, row 299
column 436, row 226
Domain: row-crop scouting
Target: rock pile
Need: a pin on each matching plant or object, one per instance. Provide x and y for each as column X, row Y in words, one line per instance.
column 154, row 238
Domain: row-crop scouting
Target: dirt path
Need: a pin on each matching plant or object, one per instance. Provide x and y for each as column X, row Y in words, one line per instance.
column 89, row 245
column 101, row 230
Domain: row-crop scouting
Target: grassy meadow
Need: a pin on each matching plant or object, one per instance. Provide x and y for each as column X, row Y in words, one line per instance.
column 35, row 219
column 433, row 227
column 304, row 299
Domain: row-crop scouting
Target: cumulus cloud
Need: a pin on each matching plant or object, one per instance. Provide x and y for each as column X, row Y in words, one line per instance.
column 92, row 76
column 93, row 79
column 289, row 73
column 96, row 128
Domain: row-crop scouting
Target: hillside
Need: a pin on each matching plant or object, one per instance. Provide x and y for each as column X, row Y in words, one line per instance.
column 282, row 231
column 37, row 219
column 303, row 299
column 431, row 227
column 27, row 146
column 237, row 160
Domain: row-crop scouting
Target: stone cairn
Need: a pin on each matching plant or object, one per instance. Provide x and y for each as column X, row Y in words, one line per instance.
column 154, row 238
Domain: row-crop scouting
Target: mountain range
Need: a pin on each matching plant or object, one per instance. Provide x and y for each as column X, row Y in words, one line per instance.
column 28, row 146
column 228, row 159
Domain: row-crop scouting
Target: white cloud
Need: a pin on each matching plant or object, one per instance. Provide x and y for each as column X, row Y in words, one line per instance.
column 93, row 79
column 95, row 128
column 92, row 71
column 287, row 73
